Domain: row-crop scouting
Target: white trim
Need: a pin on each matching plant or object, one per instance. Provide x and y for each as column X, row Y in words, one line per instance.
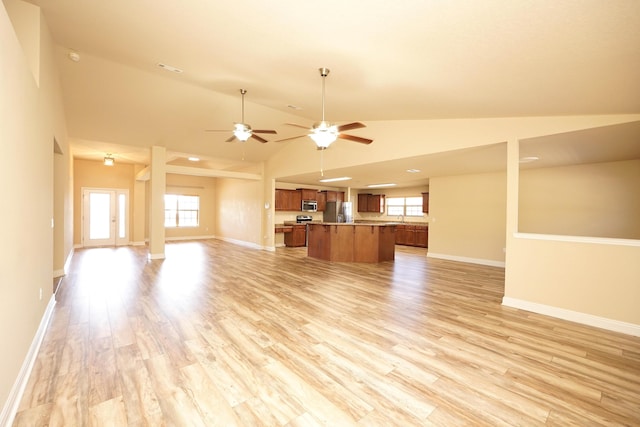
column 269, row 248
column 157, row 256
column 574, row 316
column 240, row 242
column 67, row 263
column 137, row 243
column 13, row 400
column 169, row 239
column 480, row 261
column 577, row 239
column 58, row 273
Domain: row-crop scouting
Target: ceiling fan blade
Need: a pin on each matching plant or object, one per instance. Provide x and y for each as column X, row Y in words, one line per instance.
column 217, row 130
column 259, row 138
column 349, row 126
column 233, row 138
column 296, row 125
column 355, row 138
column 271, row 131
column 288, row 139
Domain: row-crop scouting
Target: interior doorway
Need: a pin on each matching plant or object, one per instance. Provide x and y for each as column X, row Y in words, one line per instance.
column 105, row 217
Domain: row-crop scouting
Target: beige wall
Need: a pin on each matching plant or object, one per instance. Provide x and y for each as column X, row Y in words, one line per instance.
column 31, row 117
column 467, row 217
column 203, row 187
column 599, row 200
column 239, row 211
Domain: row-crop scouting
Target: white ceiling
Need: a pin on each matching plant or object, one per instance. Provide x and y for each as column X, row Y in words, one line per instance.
column 414, row 59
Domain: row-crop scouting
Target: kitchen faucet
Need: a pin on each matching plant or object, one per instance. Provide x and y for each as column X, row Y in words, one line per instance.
column 401, row 218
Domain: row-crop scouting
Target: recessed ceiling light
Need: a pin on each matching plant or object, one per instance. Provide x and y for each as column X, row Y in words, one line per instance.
column 413, row 170
column 380, row 185
column 194, row 159
column 169, row 68
column 342, row 178
column 529, row 159
column 294, row 107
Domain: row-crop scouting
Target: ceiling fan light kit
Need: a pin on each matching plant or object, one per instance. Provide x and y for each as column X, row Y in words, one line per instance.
column 324, row 133
column 242, row 131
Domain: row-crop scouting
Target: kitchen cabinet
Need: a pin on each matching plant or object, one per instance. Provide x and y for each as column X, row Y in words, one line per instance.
column 422, row 236
column 363, row 202
column 412, row 235
column 401, row 238
column 322, row 201
column 371, row 202
column 308, row 194
column 288, row 200
column 425, row 203
column 297, row 237
column 333, row 196
column 376, row 203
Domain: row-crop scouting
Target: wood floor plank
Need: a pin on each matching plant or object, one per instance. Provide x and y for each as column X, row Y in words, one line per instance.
column 221, row 334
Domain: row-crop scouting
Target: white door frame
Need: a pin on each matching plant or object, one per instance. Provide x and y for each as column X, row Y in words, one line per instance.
column 119, row 227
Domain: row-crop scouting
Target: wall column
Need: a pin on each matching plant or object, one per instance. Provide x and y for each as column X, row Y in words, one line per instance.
column 156, row 205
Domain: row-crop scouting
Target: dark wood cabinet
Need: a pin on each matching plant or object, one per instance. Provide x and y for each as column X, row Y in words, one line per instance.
column 297, row 237
column 412, row 235
column 422, row 236
column 363, row 202
column 371, row 202
column 308, row 194
column 376, row 203
column 425, row 202
column 333, row 196
column 291, row 200
column 322, row 201
column 401, row 238
column 288, row 200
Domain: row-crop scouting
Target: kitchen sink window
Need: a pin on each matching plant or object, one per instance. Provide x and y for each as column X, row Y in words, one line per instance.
column 404, row 206
column 181, row 211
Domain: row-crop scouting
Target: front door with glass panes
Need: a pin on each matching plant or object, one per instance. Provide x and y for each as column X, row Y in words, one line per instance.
column 105, row 219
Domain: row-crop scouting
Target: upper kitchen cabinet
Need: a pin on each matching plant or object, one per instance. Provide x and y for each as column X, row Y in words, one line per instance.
column 322, row 200
column 333, row 196
column 371, row 203
column 308, row 194
column 425, row 203
column 288, row 200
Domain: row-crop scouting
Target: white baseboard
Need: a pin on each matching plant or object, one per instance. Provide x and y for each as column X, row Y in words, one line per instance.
column 137, row 243
column 574, row 316
column 171, row 239
column 269, row 248
column 156, row 256
column 13, row 401
column 481, row 261
column 240, row 242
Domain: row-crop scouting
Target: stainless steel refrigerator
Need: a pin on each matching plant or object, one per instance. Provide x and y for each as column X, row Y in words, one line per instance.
column 338, row 212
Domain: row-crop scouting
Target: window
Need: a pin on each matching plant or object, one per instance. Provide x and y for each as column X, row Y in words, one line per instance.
column 181, row 211
column 404, row 206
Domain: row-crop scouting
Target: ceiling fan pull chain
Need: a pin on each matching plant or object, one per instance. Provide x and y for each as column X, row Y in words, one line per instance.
column 321, row 163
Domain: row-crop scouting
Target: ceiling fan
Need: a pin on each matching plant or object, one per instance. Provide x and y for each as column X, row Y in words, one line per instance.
column 325, row 133
column 242, row 131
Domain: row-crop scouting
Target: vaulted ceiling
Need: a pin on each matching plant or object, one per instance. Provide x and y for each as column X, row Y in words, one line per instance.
column 414, row 59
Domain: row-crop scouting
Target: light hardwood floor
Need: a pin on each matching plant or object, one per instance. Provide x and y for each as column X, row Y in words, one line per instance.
column 221, row 335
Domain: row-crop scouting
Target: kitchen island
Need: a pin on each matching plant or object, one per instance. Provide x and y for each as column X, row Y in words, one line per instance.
column 350, row 242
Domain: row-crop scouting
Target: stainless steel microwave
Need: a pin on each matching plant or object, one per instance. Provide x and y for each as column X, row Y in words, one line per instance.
column 309, row 206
